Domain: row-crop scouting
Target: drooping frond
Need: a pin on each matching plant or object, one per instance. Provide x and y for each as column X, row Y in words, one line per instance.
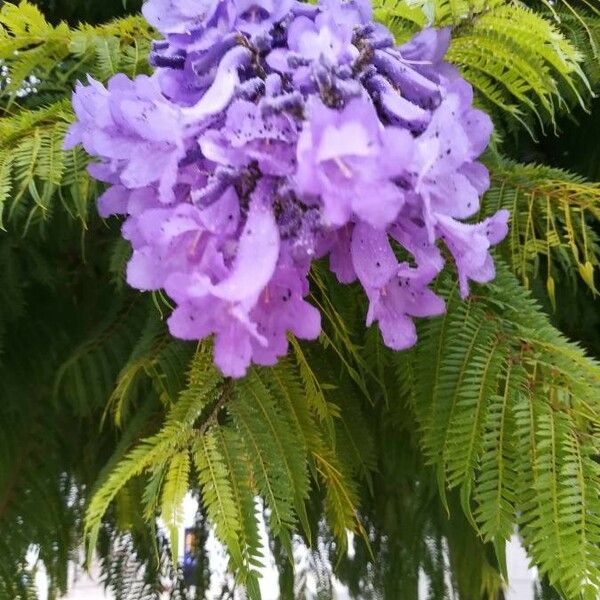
column 500, row 397
column 553, row 230
column 42, row 63
column 35, row 172
column 134, row 566
column 98, row 359
column 175, row 488
column 158, row 362
column 256, row 436
column 582, row 27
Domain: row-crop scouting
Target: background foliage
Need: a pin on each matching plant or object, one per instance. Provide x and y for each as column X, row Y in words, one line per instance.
column 431, row 457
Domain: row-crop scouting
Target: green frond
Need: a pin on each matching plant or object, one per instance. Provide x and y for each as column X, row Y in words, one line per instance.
column 336, row 333
column 121, row 46
column 500, row 409
column 318, row 402
column 286, row 385
column 239, row 472
column 30, row 46
column 217, row 493
column 353, row 446
column 131, row 572
column 36, row 174
column 29, row 42
column 279, row 418
column 6, row 184
column 36, row 170
column 157, row 362
column 174, row 491
column 565, row 485
column 256, row 436
column 176, row 435
column 203, row 381
column 520, row 63
column 271, row 450
column 227, row 495
column 403, row 18
column 98, row 359
column 320, row 425
column 582, row 27
column 341, row 497
column 140, row 459
column 497, row 478
column 553, row 217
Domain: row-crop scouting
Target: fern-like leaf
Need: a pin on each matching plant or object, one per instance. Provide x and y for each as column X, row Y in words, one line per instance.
column 552, row 216
column 499, row 408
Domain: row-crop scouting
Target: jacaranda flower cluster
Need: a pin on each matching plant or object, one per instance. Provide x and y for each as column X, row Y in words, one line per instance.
column 274, row 133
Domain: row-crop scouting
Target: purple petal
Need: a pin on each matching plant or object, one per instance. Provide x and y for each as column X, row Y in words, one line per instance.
column 372, row 256
column 256, row 257
column 233, row 351
column 221, row 92
column 113, row 202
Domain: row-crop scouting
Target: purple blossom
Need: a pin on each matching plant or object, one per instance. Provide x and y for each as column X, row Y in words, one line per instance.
column 273, row 133
column 131, row 126
column 470, row 244
column 395, row 290
column 324, row 38
column 345, row 154
column 183, row 16
column 250, row 136
column 254, row 18
column 282, row 308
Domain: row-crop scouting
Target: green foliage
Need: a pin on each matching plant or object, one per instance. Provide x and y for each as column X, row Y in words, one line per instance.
column 29, row 45
column 500, row 411
column 430, row 457
column 36, row 176
column 127, row 572
column 518, row 60
column 552, row 232
column 35, row 170
column 247, row 438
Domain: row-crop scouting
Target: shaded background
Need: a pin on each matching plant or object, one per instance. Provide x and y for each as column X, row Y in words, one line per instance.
column 90, row 11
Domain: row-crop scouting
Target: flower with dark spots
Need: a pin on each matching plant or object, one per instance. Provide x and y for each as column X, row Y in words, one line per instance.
column 273, row 133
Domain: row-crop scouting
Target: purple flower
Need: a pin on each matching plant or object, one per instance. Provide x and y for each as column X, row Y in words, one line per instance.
column 470, row 245
column 165, row 240
column 182, row 16
column 249, row 136
column 218, row 96
column 448, row 180
column 396, row 292
column 274, row 133
column 352, row 12
column 134, row 128
column 282, row 308
column 323, row 39
column 217, row 298
column 340, row 255
column 257, row 16
column 343, row 155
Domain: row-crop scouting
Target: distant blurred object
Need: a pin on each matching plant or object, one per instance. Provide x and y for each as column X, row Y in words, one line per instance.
column 190, row 556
